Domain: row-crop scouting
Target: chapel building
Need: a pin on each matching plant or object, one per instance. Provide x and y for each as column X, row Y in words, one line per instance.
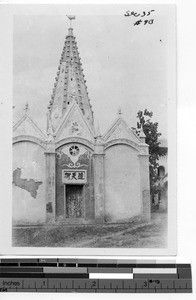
column 73, row 174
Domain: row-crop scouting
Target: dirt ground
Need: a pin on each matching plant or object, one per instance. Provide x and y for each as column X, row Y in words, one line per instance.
column 127, row 235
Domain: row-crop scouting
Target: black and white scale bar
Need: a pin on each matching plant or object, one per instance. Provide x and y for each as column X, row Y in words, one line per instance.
column 98, row 263
column 93, row 275
column 95, row 285
column 73, row 272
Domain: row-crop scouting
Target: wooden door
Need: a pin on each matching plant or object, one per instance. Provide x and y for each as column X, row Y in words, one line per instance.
column 74, row 201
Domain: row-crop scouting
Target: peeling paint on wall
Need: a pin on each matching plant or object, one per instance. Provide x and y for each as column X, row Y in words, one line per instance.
column 30, row 185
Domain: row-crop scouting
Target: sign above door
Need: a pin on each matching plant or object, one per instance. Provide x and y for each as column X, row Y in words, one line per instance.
column 74, row 176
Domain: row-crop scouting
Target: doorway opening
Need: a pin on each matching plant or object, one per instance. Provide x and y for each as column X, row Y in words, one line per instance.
column 74, row 201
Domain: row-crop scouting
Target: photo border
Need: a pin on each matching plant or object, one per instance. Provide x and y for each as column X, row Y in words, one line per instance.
column 6, row 78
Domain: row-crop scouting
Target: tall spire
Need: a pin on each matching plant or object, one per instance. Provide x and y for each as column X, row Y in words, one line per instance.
column 70, row 84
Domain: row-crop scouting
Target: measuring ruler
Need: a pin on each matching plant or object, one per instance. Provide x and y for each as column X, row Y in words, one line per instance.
column 94, row 276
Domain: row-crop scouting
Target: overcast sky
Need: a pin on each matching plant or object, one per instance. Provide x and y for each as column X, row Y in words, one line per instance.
column 124, row 65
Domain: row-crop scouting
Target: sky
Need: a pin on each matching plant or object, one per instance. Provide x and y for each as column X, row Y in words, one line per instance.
column 125, row 65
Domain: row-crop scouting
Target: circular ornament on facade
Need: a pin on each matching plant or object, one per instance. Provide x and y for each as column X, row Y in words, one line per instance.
column 74, row 150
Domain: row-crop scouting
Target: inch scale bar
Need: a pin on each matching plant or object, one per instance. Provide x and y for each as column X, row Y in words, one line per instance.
column 94, row 276
column 96, row 285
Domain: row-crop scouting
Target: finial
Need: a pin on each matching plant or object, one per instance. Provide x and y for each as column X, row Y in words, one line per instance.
column 98, row 130
column 142, row 135
column 50, row 132
column 119, row 111
column 98, row 134
column 71, row 18
column 26, row 108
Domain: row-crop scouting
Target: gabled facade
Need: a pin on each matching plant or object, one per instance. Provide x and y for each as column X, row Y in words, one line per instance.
column 72, row 174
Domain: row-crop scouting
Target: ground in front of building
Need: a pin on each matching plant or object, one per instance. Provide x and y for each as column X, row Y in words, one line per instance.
column 129, row 235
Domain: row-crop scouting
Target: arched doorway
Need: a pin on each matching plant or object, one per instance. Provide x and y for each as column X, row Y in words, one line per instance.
column 74, row 183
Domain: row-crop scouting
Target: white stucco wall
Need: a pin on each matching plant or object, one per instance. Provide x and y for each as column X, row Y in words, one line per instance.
column 122, row 183
column 29, row 164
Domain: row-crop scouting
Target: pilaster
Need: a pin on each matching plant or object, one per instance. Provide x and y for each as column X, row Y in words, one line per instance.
column 50, row 183
column 98, row 162
column 145, row 187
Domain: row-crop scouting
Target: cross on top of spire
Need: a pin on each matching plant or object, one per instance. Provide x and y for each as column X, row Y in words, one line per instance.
column 70, row 19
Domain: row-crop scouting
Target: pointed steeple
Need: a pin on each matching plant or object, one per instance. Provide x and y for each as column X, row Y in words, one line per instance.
column 70, row 84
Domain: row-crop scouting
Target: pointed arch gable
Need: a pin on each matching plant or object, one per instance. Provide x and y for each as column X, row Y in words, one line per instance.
column 120, row 130
column 74, row 115
column 27, row 127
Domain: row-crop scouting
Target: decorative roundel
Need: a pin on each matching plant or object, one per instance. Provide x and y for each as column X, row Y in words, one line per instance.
column 74, row 150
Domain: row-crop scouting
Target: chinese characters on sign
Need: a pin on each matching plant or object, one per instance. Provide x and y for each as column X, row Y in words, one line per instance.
column 73, row 177
column 141, row 15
